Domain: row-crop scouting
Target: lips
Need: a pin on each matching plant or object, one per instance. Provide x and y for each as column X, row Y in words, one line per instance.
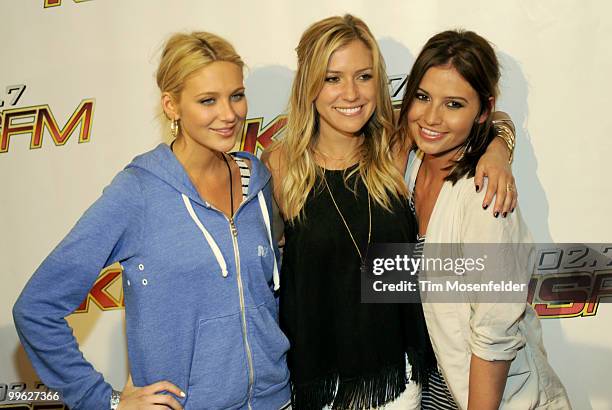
column 431, row 135
column 225, row 132
column 349, row 111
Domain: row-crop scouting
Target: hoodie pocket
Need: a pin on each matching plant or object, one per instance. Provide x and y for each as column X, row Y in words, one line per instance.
column 219, row 376
column 269, row 346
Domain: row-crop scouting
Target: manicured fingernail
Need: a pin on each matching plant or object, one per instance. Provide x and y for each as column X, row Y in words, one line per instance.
column 485, row 206
column 477, row 188
column 496, row 214
column 183, row 394
column 512, row 210
column 504, row 214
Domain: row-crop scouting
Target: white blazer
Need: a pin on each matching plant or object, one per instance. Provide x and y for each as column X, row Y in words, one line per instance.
column 491, row 331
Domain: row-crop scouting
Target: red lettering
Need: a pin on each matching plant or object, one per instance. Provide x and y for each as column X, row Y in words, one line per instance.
column 99, row 292
column 8, row 128
column 566, row 295
column 43, row 119
column 254, row 138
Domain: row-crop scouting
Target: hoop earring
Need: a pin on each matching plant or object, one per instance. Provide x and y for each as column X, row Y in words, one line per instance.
column 174, row 127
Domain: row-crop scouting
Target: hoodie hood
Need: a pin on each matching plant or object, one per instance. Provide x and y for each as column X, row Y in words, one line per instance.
column 162, row 163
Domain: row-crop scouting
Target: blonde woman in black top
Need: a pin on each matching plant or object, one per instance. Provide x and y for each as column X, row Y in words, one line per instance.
column 338, row 181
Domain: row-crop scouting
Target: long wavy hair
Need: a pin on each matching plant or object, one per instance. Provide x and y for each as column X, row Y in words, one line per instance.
column 376, row 166
column 474, row 58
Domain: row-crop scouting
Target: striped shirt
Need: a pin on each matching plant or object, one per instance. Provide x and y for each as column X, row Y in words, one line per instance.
column 435, row 396
column 245, row 175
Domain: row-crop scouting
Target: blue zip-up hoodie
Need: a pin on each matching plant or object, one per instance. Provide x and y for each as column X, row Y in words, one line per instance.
column 200, row 309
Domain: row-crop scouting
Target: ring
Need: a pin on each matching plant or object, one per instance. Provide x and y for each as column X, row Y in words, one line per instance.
column 509, row 187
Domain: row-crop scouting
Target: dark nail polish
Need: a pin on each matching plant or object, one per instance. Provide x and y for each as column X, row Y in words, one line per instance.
column 477, row 188
column 496, row 214
column 485, row 206
column 512, row 210
column 504, row 214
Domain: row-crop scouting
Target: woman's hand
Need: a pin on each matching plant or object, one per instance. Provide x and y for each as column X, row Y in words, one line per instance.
column 147, row 397
column 494, row 165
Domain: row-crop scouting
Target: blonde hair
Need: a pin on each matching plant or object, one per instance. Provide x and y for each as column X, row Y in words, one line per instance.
column 184, row 54
column 376, row 166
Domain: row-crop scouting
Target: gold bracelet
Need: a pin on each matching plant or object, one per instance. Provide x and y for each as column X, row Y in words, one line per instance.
column 505, row 132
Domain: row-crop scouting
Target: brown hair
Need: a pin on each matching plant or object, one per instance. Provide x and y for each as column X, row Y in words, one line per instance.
column 474, row 58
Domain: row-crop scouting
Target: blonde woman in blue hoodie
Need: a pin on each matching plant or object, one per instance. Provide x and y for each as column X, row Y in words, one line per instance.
column 190, row 226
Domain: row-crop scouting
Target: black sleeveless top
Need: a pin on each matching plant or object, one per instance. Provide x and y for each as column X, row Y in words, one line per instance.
column 342, row 351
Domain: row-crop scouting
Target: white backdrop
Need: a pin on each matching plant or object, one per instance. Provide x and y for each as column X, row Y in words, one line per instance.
column 556, row 59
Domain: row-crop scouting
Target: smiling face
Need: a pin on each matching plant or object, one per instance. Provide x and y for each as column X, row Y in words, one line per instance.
column 443, row 112
column 211, row 107
column 348, row 97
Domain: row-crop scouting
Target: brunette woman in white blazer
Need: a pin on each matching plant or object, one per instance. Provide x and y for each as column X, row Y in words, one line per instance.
column 490, row 355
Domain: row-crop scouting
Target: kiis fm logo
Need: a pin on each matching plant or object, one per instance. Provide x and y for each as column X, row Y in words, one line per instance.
column 33, row 121
column 572, row 279
column 55, row 3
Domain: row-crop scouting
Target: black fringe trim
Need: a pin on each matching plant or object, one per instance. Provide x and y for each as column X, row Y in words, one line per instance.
column 358, row 393
column 423, row 364
column 314, row 395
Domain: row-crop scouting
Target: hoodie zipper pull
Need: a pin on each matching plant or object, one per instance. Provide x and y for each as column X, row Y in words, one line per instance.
column 233, row 228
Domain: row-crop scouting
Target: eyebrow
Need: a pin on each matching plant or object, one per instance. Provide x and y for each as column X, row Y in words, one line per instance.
column 448, row 97
column 340, row 72
column 214, row 93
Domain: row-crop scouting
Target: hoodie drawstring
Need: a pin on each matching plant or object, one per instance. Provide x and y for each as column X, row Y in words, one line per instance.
column 215, row 248
column 266, row 217
column 211, row 242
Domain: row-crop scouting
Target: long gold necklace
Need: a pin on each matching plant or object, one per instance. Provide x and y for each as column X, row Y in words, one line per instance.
column 361, row 257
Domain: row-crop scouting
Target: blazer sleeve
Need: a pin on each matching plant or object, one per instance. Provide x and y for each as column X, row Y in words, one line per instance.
column 109, row 231
column 494, row 325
